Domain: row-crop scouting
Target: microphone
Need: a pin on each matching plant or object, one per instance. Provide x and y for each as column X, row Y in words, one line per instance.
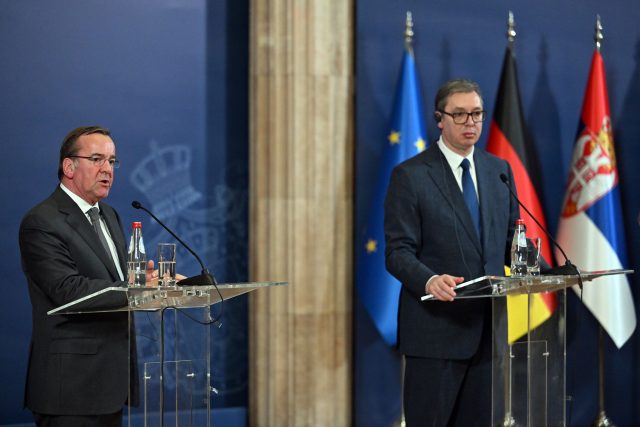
column 564, row 270
column 204, row 278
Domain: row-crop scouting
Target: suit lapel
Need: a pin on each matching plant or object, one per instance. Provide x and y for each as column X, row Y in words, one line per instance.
column 486, row 183
column 80, row 224
column 446, row 183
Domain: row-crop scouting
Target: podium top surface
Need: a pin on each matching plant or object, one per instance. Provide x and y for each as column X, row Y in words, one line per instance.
column 498, row 286
column 156, row 298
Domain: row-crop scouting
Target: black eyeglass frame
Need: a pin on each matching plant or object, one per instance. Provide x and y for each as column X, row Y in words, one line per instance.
column 458, row 114
column 99, row 160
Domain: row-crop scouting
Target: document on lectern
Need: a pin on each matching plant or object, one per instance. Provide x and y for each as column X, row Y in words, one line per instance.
column 479, row 287
column 492, row 286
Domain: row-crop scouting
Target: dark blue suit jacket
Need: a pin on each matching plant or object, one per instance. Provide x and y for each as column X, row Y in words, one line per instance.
column 428, row 231
column 78, row 363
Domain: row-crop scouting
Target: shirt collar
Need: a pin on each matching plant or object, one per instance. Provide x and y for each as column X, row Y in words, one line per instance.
column 454, row 159
column 82, row 204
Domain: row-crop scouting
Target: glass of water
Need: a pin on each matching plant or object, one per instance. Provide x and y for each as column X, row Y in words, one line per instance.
column 167, row 264
column 533, row 256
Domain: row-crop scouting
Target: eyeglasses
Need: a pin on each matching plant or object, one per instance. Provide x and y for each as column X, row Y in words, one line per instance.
column 98, row 161
column 461, row 117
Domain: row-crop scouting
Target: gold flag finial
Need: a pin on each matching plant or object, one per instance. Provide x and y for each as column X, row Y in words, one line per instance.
column 598, row 36
column 408, row 31
column 511, row 28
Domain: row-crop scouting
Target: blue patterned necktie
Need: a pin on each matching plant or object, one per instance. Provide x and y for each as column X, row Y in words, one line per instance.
column 469, row 194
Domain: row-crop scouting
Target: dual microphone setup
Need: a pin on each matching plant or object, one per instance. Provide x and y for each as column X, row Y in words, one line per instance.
column 204, row 278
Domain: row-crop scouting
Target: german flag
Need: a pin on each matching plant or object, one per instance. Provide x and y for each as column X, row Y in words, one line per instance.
column 507, row 140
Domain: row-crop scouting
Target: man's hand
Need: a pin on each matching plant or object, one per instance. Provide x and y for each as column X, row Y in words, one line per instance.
column 441, row 287
column 151, row 274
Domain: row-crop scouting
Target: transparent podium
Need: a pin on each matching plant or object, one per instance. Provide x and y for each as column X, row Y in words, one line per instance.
column 528, row 375
column 170, row 372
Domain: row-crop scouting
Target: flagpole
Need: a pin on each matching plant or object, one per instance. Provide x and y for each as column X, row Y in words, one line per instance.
column 529, row 357
column 509, row 420
column 602, row 420
column 408, row 32
column 408, row 44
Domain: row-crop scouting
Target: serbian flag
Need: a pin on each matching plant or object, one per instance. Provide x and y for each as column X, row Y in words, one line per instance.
column 377, row 289
column 507, row 141
column 590, row 228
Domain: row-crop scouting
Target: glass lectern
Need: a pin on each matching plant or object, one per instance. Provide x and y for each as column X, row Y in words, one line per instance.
column 528, row 384
column 170, row 364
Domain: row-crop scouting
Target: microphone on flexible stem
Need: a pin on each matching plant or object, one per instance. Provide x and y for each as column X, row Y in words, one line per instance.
column 204, row 278
column 564, row 270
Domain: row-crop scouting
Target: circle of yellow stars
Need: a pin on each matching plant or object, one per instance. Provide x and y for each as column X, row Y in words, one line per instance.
column 394, row 139
column 371, row 245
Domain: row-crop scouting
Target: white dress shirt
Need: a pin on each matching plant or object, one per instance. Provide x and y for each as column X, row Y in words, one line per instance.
column 84, row 207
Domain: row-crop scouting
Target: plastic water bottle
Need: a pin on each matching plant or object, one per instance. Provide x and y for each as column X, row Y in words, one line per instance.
column 137, row 259
column 519, row 250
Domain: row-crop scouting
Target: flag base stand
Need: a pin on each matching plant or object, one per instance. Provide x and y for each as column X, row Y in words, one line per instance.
column 602, row 420
column 509, row 421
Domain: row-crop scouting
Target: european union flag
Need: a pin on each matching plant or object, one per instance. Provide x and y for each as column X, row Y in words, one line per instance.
column 378, row 290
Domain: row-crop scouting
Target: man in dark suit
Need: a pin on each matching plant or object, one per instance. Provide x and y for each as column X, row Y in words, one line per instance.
column 78, row 363
column 448, row 220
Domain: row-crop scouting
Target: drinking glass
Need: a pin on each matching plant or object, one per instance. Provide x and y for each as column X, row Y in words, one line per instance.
column 533, row 256
column 166, row 264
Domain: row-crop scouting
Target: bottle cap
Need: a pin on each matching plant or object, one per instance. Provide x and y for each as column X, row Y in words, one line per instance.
column 519, row 221
column 136, row 224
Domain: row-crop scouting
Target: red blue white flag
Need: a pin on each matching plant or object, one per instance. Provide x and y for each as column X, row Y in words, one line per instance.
column 591, row 225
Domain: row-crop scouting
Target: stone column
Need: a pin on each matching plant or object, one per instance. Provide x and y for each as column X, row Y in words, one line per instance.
column 301, row 206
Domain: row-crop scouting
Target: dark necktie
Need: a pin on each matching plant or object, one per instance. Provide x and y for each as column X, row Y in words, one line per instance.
column 469, row 194
column 94, row 216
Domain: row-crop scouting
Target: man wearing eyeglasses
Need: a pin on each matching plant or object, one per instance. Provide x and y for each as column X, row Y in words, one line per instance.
column 448, row 219
column 72, row 245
